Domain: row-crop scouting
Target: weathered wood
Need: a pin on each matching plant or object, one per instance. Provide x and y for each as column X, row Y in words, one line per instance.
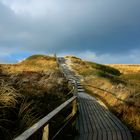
column 74, row 109
column 46, row 133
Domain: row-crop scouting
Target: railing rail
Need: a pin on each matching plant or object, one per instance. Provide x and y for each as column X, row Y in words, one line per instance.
column 44, row 122
column 115, row 96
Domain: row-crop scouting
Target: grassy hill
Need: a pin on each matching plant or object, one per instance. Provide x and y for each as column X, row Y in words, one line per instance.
column 32, row 63
column 28, row 91
column 32, row 88
column 120, row 92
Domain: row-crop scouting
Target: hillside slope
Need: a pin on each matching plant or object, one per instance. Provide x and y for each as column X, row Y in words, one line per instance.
column 118, row 91
column 32, row 63
column 29, row 90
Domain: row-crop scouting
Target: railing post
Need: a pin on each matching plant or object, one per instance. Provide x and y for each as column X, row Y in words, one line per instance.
column 74, row 109
column 45, row 135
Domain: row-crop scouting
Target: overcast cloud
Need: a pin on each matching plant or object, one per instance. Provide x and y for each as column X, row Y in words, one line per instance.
column 102, row 31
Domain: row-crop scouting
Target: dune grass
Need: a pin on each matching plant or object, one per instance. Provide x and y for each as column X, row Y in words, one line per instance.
column 29, row 90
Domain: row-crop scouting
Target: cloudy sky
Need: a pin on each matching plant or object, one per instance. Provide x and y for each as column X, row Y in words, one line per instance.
column 105, row 31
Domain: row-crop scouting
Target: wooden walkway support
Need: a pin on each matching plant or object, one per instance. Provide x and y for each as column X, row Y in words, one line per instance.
column 94, row 122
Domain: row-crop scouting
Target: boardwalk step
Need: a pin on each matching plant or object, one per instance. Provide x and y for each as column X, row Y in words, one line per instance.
column 80, row 90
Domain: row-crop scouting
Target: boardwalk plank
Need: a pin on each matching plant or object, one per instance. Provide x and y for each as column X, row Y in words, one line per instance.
column 106, row 127
column 111, row 134
column 87, row 122
column 81, row 123
column 99, row 125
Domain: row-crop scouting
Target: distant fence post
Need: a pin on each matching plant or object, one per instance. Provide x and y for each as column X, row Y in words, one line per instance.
column 55, row 55
column 45, row 135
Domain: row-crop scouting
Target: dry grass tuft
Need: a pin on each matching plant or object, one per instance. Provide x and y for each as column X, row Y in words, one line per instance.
column 8, row 95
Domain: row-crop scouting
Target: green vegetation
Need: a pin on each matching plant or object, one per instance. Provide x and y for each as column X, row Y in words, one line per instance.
column 37, row 56
column 104, row 69
column 86, row 69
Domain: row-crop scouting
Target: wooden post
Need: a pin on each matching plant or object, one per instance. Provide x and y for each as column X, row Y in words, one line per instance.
column 45, row 135
column 74, row 109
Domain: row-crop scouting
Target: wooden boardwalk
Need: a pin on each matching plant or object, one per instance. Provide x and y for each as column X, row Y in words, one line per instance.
column 94, row 122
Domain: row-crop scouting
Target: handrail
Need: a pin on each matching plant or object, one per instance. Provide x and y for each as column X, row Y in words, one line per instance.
column 44, row 121
column 125, row 101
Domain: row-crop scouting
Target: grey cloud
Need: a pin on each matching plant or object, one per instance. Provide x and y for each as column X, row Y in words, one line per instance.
column 109, row 58
column 73, row 26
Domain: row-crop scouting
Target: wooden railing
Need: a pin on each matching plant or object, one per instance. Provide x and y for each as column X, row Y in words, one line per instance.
column 43, row 124
column 115, row 96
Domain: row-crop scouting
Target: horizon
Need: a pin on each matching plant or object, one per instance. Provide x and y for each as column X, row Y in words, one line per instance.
column 104, row 32
column 52, row 55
